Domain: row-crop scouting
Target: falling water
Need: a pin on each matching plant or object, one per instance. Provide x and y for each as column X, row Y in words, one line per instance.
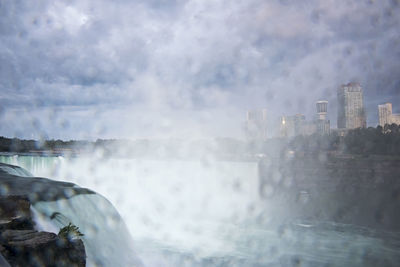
column 209, row 213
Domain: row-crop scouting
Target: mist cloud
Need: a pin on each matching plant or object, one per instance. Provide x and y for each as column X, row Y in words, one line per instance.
column 144, row 68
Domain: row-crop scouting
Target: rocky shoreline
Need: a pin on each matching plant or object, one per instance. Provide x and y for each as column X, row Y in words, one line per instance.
column 20, row 242
column 22, row 245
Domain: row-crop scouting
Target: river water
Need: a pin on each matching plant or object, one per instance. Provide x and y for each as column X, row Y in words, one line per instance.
column 209, row 213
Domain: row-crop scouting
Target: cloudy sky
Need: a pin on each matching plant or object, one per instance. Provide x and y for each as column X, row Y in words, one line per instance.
column 159, row 68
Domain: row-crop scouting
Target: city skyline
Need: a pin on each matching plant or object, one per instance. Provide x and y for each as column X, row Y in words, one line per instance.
column 351, row 115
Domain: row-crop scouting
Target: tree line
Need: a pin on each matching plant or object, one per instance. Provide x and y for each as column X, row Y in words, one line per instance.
column 362, row 141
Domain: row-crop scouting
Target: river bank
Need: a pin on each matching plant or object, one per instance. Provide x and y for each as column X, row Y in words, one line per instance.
column 349, row 189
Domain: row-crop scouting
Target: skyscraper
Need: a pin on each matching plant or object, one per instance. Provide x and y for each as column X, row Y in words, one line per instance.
column 322, row 123
column 385, row 114
column 396, row 118
column 256, row 124
column 351, row 112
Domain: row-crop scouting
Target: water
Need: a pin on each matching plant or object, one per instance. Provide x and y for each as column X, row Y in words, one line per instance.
column 209, row 213
column 105, row 235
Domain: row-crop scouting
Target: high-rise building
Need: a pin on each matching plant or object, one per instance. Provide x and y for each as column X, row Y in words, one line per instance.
column 256, row 124
column 323, row 125
column 351, row 113
column 396, row 118
column 385, row 114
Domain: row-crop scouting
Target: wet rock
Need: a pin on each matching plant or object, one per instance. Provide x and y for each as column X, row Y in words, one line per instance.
column 35, row 188
column 21, row 245
column 15, row 213
column 33, row 248
column 16, row 223
column 14, row 206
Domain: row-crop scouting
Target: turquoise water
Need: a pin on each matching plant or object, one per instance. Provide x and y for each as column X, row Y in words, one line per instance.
column 292, row 244
column 39, row 166
column 209, row 214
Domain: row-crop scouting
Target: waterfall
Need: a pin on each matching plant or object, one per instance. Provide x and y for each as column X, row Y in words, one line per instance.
column 192, row 213
column 41, row 166
column 106, row 238
column 165, row 201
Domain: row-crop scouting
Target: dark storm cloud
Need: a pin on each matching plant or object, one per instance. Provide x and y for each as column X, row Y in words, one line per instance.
column 209, row 59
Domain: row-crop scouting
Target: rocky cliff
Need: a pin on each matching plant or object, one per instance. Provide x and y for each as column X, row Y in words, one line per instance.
column 20, row 243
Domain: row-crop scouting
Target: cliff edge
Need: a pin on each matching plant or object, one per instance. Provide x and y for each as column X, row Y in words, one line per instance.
column 20, row 243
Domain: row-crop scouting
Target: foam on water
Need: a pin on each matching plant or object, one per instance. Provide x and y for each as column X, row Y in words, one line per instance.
column 176, row 203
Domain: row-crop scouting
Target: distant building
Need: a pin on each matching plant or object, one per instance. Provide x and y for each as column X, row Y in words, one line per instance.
column 386, row 116
column 256, row 124
column 351, row 113
column 322, row 124
column 309, row 128
column 322, row 109
column 396, row 118
column 292, row 125
column 297, row 125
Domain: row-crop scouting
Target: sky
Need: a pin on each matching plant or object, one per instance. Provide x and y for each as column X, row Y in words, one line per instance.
column 187, row 68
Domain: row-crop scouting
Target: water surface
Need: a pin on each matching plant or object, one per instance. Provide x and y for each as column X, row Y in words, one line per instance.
column 209, row 213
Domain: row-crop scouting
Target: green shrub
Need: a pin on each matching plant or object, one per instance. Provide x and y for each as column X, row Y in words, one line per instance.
column 70, row 232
